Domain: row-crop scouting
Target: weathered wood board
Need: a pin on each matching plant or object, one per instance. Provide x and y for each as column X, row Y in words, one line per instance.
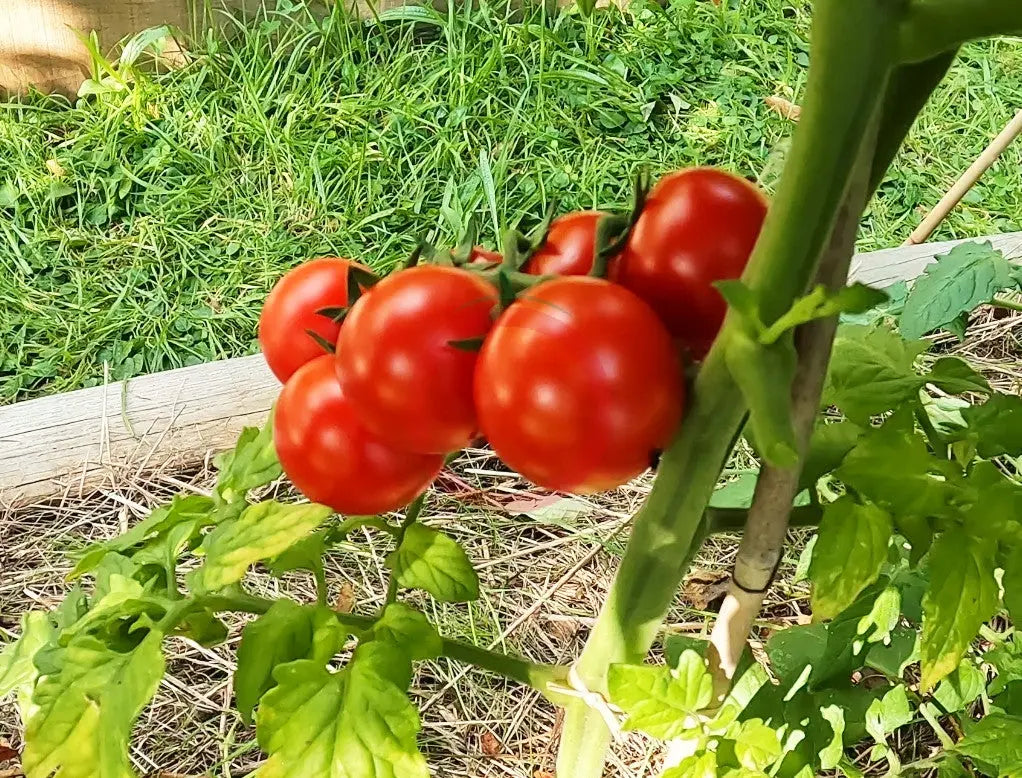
column 82, row 439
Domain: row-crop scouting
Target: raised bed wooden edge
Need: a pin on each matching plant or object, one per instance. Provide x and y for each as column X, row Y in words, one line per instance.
column 78, row 441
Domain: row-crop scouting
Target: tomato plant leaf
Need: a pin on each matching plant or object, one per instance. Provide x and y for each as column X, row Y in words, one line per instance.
column 850, row 550
column 660, row 701
column 410, row 630
column 252, row 463
column 872, row 371
column 832, row 753
column 888, row 713
column 356, row 723
column 306, row 554
column 794, row 649
column 697, row 766
column 876, row 626
column 995, row 740
column 965, row 277
column 956, row 376
column 961, row 596
column 895, row 470
column 84, row 710
column 828, row 446
column 893, row 658
column 430, row 560
column 821, row 303
column 18, row 672
column 263, row 531
column 757, row 745
column 285, row 633
column 1012, row 583
column 960, row 688
column 764, row 375
column 996, row 425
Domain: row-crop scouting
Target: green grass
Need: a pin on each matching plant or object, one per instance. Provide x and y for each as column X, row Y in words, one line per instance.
column 173, row 205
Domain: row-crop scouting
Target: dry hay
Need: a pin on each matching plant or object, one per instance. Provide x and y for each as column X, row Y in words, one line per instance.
column 545, row 570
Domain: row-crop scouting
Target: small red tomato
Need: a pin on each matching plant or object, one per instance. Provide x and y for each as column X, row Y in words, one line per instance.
column 569, row 246
column 578, row 385
column 398, row 362
column 331, row 458
column 484, row 256
column 698, row 226
column 290, row 313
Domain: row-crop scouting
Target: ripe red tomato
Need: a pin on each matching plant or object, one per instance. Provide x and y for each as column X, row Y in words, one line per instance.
column 569, row 246
column 289, row 313
column 396, row 362
column 578, row 385
column 698, row 226
column 484, row 256
column 331, row 458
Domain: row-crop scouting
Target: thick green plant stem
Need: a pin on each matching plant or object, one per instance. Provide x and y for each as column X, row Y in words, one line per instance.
column 852, row 46
column 934, row 26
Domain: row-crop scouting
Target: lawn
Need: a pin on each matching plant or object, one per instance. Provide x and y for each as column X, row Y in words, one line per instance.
column 141, row 228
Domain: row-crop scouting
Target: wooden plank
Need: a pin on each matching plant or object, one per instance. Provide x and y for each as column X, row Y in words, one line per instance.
column 85, row 438
column 883, row 268
column 82, row 439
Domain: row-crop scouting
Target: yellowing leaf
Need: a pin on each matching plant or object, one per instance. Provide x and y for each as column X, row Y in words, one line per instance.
column 658, row 700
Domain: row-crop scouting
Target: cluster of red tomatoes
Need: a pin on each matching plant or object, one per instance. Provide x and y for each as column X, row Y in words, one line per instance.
column 576, row 382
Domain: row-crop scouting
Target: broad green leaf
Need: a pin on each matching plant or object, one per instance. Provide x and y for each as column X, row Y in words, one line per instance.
column 660, row 701
column 872, row 371
column 831, row 755
column 894, row 470
column 828, row 446
column 263, row 531
column 83, row 714
column 956, row 376
column 793, row 649
column 950, row 767
column 877, row 625
column 356, row 723
column 821, row 303
column 962, row 595
column 698, row 766
column 994, row 740
column 1007, row 660
column 888, row 713
column 897, row 293
column 996, row 425
column 306, row 554
column 757, row 746
column 252, row 463
column 845, row 650
column 18, row 672
column 204, row 628
column 960, row 688
column 893, row 658
column 285, row 633
column 735, row 494
column 409, row 630
column 764, row 375
column 676, row 645
column 194, row 508
column 967, row 276
column 850, row 550
column 430, row 560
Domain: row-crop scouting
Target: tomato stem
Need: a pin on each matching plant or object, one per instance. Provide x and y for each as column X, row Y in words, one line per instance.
column 852, row 45
column 936, row 26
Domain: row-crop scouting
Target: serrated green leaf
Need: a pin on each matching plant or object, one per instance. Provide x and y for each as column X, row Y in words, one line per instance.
column 960, row 688
column 204, row 628
column 950, row 767
column 430, row 560
column 850, row 550
column 994, row 740
column 263, row 531
column 996, row 426
column 832, row 753
column 962, row 595
column 306, row 554
column 872, row 371
column 967, row 276
column 764, row 375
column 822, row 303
column 660, row 701
column 828, row 446
column 83, row 714
column 409, row 630
column 18, row 672
column 894, row 469
column 356, row 723
column 285, row 633
column 698, row 766
column 757, row 746
column 888, row 713
column 956, row 376
column 252, row 463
